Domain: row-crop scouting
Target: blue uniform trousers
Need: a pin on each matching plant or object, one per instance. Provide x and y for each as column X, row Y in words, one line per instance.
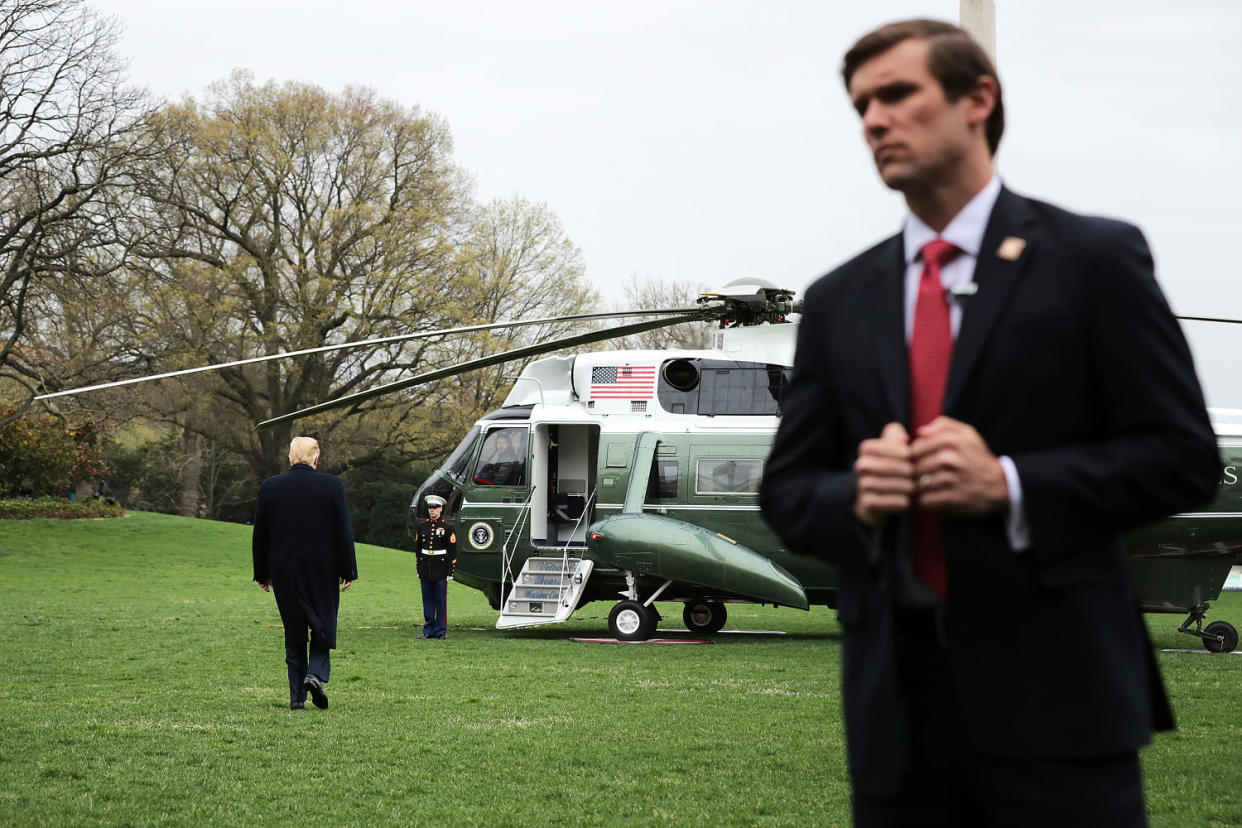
column 435, row 608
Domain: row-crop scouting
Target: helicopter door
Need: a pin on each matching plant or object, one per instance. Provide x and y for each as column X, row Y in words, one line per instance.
column 567, row 477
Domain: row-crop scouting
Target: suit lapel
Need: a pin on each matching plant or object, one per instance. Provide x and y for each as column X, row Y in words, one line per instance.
column 1000, row 263
column 888, row 320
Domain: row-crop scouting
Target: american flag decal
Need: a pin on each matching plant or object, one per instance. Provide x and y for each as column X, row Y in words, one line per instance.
column 624, row 382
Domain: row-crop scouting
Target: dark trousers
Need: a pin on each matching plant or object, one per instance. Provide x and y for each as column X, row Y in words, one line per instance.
column 951, row 783
column 435, row 608
column 298, row 635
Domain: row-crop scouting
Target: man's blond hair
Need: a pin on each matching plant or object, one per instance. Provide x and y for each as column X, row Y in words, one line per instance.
column 303, row 450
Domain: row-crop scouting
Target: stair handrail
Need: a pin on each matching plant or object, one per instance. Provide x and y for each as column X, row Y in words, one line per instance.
column 506, row 555
column 586, row 509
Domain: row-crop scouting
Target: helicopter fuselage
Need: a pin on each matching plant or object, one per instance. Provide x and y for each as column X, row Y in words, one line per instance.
column 684, row 436
column 531, row 478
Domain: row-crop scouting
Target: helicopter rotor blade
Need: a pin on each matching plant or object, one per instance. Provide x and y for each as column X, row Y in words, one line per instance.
column 1210, row 319
column 483, row 362
column 585, row 317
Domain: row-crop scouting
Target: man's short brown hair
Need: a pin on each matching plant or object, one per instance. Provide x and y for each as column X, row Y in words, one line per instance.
column 956, row 60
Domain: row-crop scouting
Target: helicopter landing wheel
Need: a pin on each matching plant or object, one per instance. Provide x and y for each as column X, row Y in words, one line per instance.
column 631, row 621
column 704, row 616
column 1228, row 637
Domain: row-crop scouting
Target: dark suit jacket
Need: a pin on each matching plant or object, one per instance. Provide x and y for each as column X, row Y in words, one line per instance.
column 1069, row 361
column 303, row 543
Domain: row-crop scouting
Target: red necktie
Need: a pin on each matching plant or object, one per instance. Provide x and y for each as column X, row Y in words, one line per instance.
column 931, row 350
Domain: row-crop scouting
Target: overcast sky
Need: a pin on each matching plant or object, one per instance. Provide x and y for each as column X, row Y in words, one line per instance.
column 697, row 141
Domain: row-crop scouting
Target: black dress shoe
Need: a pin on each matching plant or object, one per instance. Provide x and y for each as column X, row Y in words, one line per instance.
column 315, row 687
column 424, row 635
column 297, row 705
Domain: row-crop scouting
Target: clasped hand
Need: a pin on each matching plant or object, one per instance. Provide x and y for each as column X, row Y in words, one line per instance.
column 946, row 468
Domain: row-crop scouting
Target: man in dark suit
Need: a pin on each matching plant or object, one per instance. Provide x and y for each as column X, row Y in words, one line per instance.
column 980, row 406
column 303, row 546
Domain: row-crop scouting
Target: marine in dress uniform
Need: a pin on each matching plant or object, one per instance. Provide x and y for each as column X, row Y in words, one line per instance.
column 435, row 545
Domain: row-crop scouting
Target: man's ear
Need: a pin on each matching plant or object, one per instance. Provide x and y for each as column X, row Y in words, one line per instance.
column 982, row 98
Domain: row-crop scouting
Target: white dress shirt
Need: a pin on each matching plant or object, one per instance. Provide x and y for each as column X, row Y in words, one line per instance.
column 965, row 231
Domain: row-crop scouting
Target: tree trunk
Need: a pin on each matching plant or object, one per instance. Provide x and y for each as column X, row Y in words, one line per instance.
column 191, row 472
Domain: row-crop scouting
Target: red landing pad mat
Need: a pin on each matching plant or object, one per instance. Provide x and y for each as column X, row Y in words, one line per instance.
column 648, row 641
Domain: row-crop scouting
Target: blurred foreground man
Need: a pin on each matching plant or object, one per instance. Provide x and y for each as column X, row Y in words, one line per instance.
column 980, row 406
column 303, row 547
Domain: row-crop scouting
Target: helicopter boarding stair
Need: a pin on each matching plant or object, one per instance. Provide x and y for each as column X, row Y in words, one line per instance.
column 547, row 589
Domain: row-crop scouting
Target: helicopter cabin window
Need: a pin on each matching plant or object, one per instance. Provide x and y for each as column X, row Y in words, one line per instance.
column 728, row 476
column 740, row 390
column 455, row 465
column 502, row 462
column 662, row 483
column 716, row 387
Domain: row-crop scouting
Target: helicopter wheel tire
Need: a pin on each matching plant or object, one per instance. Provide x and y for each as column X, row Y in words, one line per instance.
column 631, row 621
column 1229, row 635
column 704, row 616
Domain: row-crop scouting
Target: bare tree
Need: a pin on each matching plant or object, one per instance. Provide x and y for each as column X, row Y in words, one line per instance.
column 69, row 128
column 654, row 293
column 282, row 217
column 522, row 265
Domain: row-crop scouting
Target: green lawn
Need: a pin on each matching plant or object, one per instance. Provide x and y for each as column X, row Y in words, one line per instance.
column 142, row 681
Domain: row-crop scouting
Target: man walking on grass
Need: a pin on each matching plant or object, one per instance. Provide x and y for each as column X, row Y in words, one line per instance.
column 303, row 546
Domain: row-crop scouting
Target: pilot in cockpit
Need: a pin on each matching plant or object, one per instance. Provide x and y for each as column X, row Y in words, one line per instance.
column 501, row 463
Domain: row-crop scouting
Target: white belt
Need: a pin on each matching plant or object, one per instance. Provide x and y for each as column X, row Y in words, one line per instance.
column 433, row 551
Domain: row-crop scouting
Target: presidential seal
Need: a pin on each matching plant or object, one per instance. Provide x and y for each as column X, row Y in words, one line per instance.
column 480, row 535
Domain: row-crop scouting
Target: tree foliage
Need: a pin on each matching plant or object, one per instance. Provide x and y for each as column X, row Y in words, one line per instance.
column 259, row 219
column 379, row 502
column 69, row 129
column 281, row 217
column 522, row 265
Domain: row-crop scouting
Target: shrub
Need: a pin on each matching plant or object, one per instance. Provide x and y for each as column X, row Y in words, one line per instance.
column 54, row 507
column 147, row 475
column 379, row 497
column 39, row 456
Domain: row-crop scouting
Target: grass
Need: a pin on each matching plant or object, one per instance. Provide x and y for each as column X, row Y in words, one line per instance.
column 142, row 682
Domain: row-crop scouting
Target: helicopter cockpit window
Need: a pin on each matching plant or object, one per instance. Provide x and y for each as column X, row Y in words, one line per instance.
column 455, row 465
column 662, row 484
column 502, row 462
column 728, row 476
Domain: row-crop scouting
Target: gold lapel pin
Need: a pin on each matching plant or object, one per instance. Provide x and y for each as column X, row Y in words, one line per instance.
column 1011, row 248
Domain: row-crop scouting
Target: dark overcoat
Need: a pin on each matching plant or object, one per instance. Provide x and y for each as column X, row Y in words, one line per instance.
column 303, row 543
column 1068, row 361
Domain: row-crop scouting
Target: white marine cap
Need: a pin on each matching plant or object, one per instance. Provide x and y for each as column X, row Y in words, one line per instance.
column 434, row 500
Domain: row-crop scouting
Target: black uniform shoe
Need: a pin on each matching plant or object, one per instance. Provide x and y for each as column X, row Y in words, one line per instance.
column 297, row 705
column 315, row 687
column 424, row 635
